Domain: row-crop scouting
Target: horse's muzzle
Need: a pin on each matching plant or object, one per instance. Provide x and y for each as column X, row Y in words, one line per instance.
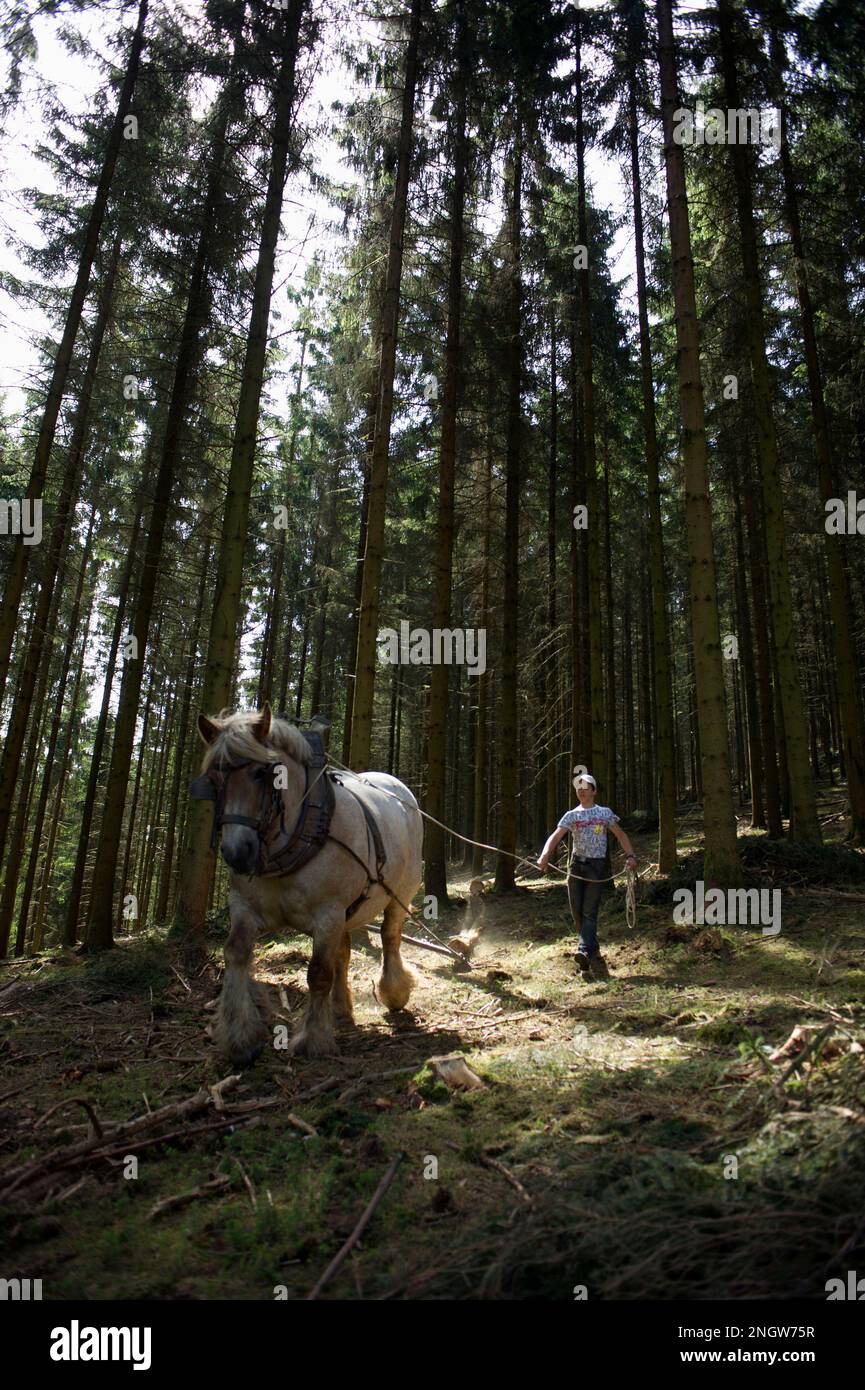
column 243, row 853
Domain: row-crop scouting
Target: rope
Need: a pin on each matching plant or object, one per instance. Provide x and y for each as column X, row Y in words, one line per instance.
column 631, row 906
column 631, row 898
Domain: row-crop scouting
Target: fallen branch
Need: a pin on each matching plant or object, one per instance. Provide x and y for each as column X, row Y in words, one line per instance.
column 72, row 1154
column 815, row 1043
column 489, row 1162
column 247, row 1181
column 359, row 1229
column 169, row 1203
column 186, row 986
column 7, row 1095
column 176, row 1136
column 493, row 1021
column 217, row 1091
column 301, row 1125
column 95, row 1126
column 329, row 1084
column 373, row 1076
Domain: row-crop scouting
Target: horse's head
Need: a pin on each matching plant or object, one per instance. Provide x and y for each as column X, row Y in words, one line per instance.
column 253, row 762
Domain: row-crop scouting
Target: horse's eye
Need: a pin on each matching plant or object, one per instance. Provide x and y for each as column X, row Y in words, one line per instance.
column 260, row 773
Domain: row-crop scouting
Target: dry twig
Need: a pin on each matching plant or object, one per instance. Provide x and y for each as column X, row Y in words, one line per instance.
column 359, row 1229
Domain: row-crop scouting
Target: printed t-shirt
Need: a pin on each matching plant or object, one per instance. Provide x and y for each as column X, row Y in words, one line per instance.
column 588, row 827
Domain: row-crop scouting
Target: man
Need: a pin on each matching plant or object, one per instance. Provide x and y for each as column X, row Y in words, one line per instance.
column 588, row 825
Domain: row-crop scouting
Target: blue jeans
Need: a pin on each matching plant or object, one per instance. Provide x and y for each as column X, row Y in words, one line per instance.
column 585, row 899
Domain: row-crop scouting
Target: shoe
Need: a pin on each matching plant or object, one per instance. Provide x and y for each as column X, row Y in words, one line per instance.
column 598, row 968
column 583, row 962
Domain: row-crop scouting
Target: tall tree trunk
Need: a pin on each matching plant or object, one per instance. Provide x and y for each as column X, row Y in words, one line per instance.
column 34, row 742
column 70, row 734
column 551, row 742
column 306, row 602
column 508, row 710
column 34, row 830
column 274, row 607
column 199, row 859
column 846, row 674
column 320, row 634
column 182, row 739
column 722, row 864
column 73, row 902
column 648, row 724
column 154, row 680
column 66, row 503
column 153, row 816
column 666, row 788
column 596, row 663
column 629, row 759
column 744, row 629
column 364, row 673
column 763, row 664
column 369, row 439
column 435, row 869
column 804, row 824
column 581, row 714
column 480, row 831
column 610, row 704
column 14, row 580
column 294, row 581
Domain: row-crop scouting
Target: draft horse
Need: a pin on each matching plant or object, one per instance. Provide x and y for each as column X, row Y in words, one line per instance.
column 311, row 851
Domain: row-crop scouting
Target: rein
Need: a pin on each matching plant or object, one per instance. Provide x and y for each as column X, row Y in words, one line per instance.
column 294, row 850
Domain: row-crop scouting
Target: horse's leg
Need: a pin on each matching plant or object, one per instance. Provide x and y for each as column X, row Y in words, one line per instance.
column 315, row 1037
column 240, row 1027
column 397, row 980
column 340, row 995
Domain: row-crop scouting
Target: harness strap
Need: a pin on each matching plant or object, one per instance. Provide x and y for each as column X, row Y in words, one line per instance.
column 287, row 852
column 373, row 833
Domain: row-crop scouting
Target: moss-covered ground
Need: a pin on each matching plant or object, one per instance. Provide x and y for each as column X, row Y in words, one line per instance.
column 633, row 1136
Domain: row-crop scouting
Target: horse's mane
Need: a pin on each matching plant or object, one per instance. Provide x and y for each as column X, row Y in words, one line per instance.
column 237, row 742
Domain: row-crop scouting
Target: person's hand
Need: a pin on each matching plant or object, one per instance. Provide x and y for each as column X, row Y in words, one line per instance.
column 542, row 864
column 629, row 857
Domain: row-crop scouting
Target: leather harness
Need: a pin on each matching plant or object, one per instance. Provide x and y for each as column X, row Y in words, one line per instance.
column 374, row 834
column 287, row 851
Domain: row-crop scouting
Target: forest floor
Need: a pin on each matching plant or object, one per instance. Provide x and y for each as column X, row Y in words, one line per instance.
column 632, row 1137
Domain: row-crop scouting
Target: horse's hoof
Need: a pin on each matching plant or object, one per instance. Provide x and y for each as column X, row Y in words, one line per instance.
column 248, row 1058
column 313, row 1048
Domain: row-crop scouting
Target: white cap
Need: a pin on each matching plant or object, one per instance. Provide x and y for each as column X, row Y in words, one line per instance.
column 585, row 777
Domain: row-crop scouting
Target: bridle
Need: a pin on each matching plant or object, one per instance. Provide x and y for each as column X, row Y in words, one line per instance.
column 212, row 785
column 280, row 851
